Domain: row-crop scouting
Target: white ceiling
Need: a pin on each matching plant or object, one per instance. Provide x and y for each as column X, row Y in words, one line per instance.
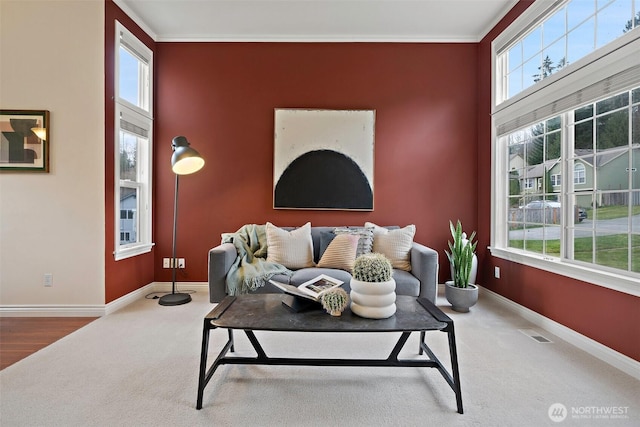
column 317, row 20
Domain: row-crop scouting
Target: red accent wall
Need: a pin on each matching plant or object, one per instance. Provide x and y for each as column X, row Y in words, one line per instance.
column 222, row 97
column 609, row 317
column 127, row 275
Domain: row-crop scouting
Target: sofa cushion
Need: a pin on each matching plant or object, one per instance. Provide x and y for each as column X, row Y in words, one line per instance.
column 394, row 244
column 341, row 252
column 293, row 249
column 406, row 283
column 365, row 237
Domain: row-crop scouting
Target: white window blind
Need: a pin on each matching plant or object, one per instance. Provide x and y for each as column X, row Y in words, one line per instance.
column 611, row 85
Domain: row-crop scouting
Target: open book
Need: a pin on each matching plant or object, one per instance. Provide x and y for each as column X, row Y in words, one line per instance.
column 311, row 289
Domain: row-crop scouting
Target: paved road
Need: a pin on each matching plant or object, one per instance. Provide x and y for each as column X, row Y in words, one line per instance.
column 603, row 227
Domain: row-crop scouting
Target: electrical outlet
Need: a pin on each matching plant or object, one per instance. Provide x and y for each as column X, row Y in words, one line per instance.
column 167, row 262
column 48, row 280
column 496, row 272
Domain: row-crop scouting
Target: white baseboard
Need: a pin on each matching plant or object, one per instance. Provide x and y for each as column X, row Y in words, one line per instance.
column 594, row 348
column 45, row 310
column 127, row 299
column 96, row 310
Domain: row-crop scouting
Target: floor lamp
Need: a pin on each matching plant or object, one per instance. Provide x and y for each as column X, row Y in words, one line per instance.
column 184, row 161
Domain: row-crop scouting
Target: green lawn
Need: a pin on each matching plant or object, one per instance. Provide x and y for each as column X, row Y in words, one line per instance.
column 611, row 212
column 611, row 251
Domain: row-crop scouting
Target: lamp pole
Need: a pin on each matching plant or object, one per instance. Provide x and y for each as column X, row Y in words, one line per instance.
column 174, row 298
column 175, row 228
column 185, row 160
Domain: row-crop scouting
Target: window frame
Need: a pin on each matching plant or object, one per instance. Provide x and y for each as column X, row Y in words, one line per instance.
column 141, row 117
column 618, row 56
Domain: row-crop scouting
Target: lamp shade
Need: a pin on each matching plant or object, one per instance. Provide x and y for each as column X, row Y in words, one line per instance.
column 185, row 160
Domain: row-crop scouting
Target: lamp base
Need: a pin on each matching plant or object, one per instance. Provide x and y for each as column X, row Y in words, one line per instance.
column 174, row 299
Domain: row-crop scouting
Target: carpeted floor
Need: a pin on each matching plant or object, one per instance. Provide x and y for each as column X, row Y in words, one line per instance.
column 139, row 367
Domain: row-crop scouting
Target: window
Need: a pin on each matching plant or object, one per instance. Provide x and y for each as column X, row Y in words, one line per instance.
column 133, row 144
column 529, row 183
column 570, row 31
column 576, row 117
column 579, row 174
column 127, row 214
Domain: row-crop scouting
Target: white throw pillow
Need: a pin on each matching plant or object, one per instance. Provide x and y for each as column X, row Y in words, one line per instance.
column 293, row 249
column 341, row 252
column 394, row 244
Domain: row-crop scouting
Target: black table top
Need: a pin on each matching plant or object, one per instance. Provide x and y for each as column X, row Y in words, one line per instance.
column 265, row 312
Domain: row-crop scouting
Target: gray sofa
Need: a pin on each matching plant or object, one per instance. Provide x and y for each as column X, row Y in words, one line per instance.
column 421, row 281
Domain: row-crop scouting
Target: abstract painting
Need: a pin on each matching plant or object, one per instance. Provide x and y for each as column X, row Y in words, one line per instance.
column 323, row 159
column 24, row 140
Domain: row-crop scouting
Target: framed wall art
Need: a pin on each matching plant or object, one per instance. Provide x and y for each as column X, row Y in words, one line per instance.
column 323, row 159
column 24, row 140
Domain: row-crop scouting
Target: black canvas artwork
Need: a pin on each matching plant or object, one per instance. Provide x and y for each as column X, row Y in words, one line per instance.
column 323, row 179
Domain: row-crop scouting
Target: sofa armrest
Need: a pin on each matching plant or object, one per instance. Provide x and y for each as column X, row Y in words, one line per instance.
column 424, row 266
column 221, row 259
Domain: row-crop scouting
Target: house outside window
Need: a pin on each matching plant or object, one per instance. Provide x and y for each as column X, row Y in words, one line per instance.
column 581, row 117
column 133, row 144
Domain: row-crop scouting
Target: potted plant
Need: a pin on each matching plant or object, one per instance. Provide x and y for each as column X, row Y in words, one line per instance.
column 460, row 293
column 373, row 289
column 335, row 301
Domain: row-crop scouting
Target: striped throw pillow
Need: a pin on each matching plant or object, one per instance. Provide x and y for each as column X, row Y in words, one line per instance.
column 341, row 252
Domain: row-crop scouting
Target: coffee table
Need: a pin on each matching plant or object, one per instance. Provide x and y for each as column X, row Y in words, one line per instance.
column 266, row 312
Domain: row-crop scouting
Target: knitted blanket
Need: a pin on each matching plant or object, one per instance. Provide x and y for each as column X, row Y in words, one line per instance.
column 250, row 270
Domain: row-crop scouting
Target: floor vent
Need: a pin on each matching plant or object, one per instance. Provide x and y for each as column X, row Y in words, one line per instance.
column 532, row 333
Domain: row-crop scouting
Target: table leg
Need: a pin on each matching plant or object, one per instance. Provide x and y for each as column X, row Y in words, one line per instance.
column 205, row 375
column 454, row 381
column 203, row 362
column 454, row 365
column 233, row 349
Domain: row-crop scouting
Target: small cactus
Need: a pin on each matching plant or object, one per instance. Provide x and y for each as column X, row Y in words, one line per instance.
column 373, row 267
column 335, row 301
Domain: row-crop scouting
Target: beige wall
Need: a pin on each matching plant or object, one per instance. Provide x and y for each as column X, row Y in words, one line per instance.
column 52, row 58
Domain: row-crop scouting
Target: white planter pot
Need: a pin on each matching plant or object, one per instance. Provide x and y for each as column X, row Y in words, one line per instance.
column 373, row 300
column 474, row 270
column 461, row 298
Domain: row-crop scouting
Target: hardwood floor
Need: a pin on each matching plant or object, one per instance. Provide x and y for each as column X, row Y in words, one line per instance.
column 22, row 336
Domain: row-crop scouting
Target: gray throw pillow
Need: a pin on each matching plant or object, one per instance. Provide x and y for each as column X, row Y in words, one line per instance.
column 365, row 236
column 325, row 238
